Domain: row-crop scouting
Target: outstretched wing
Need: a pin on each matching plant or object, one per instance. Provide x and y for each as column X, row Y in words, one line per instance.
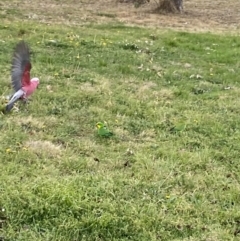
column 21, row 66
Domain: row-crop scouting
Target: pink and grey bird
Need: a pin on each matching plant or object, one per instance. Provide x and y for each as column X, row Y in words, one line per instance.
column 22, row 84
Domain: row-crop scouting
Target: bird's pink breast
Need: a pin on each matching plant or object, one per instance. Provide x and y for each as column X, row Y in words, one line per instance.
column 30, row 88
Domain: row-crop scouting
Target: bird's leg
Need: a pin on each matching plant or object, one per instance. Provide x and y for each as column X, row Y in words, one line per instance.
column 25, row 103
column 26, row 100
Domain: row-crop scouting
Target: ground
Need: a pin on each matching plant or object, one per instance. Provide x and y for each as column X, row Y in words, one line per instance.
column 166, row 85
column 214, row 16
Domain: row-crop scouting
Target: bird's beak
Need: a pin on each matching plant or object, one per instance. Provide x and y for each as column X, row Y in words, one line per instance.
column 98, row 125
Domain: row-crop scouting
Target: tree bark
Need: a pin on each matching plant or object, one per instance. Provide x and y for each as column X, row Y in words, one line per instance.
column 178, row 4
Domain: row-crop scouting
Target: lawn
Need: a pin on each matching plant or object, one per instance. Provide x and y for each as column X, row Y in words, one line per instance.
column 170, row 171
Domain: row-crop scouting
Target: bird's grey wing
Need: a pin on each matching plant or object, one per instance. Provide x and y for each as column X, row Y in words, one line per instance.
column 21, row 59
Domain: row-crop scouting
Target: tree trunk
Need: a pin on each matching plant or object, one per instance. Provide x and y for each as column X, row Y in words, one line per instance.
column 178, row 4
column 170, row 5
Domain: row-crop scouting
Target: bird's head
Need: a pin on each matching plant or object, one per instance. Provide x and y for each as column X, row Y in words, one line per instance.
column 35, row 81
column 99, row 125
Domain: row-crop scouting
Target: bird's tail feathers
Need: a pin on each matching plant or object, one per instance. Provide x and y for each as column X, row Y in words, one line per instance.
column 14, row 98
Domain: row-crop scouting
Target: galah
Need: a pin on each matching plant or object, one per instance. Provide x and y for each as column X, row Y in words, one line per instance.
column 20, row 74
column 103, row 130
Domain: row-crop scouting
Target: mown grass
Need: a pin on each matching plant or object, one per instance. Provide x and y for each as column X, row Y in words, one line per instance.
column 170, row 172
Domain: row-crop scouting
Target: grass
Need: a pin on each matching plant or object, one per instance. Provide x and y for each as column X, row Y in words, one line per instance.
column 171, row 171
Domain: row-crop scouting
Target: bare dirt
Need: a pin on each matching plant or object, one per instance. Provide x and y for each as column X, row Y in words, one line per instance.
column 198, row 16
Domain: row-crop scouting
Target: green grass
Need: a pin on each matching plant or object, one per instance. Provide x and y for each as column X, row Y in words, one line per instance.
column 170, row 172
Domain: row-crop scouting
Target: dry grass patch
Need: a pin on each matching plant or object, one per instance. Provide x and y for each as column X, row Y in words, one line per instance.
column 164, row 93
column 30, row 120
column 44, row 148
column 88, row 87
column 146, row 86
